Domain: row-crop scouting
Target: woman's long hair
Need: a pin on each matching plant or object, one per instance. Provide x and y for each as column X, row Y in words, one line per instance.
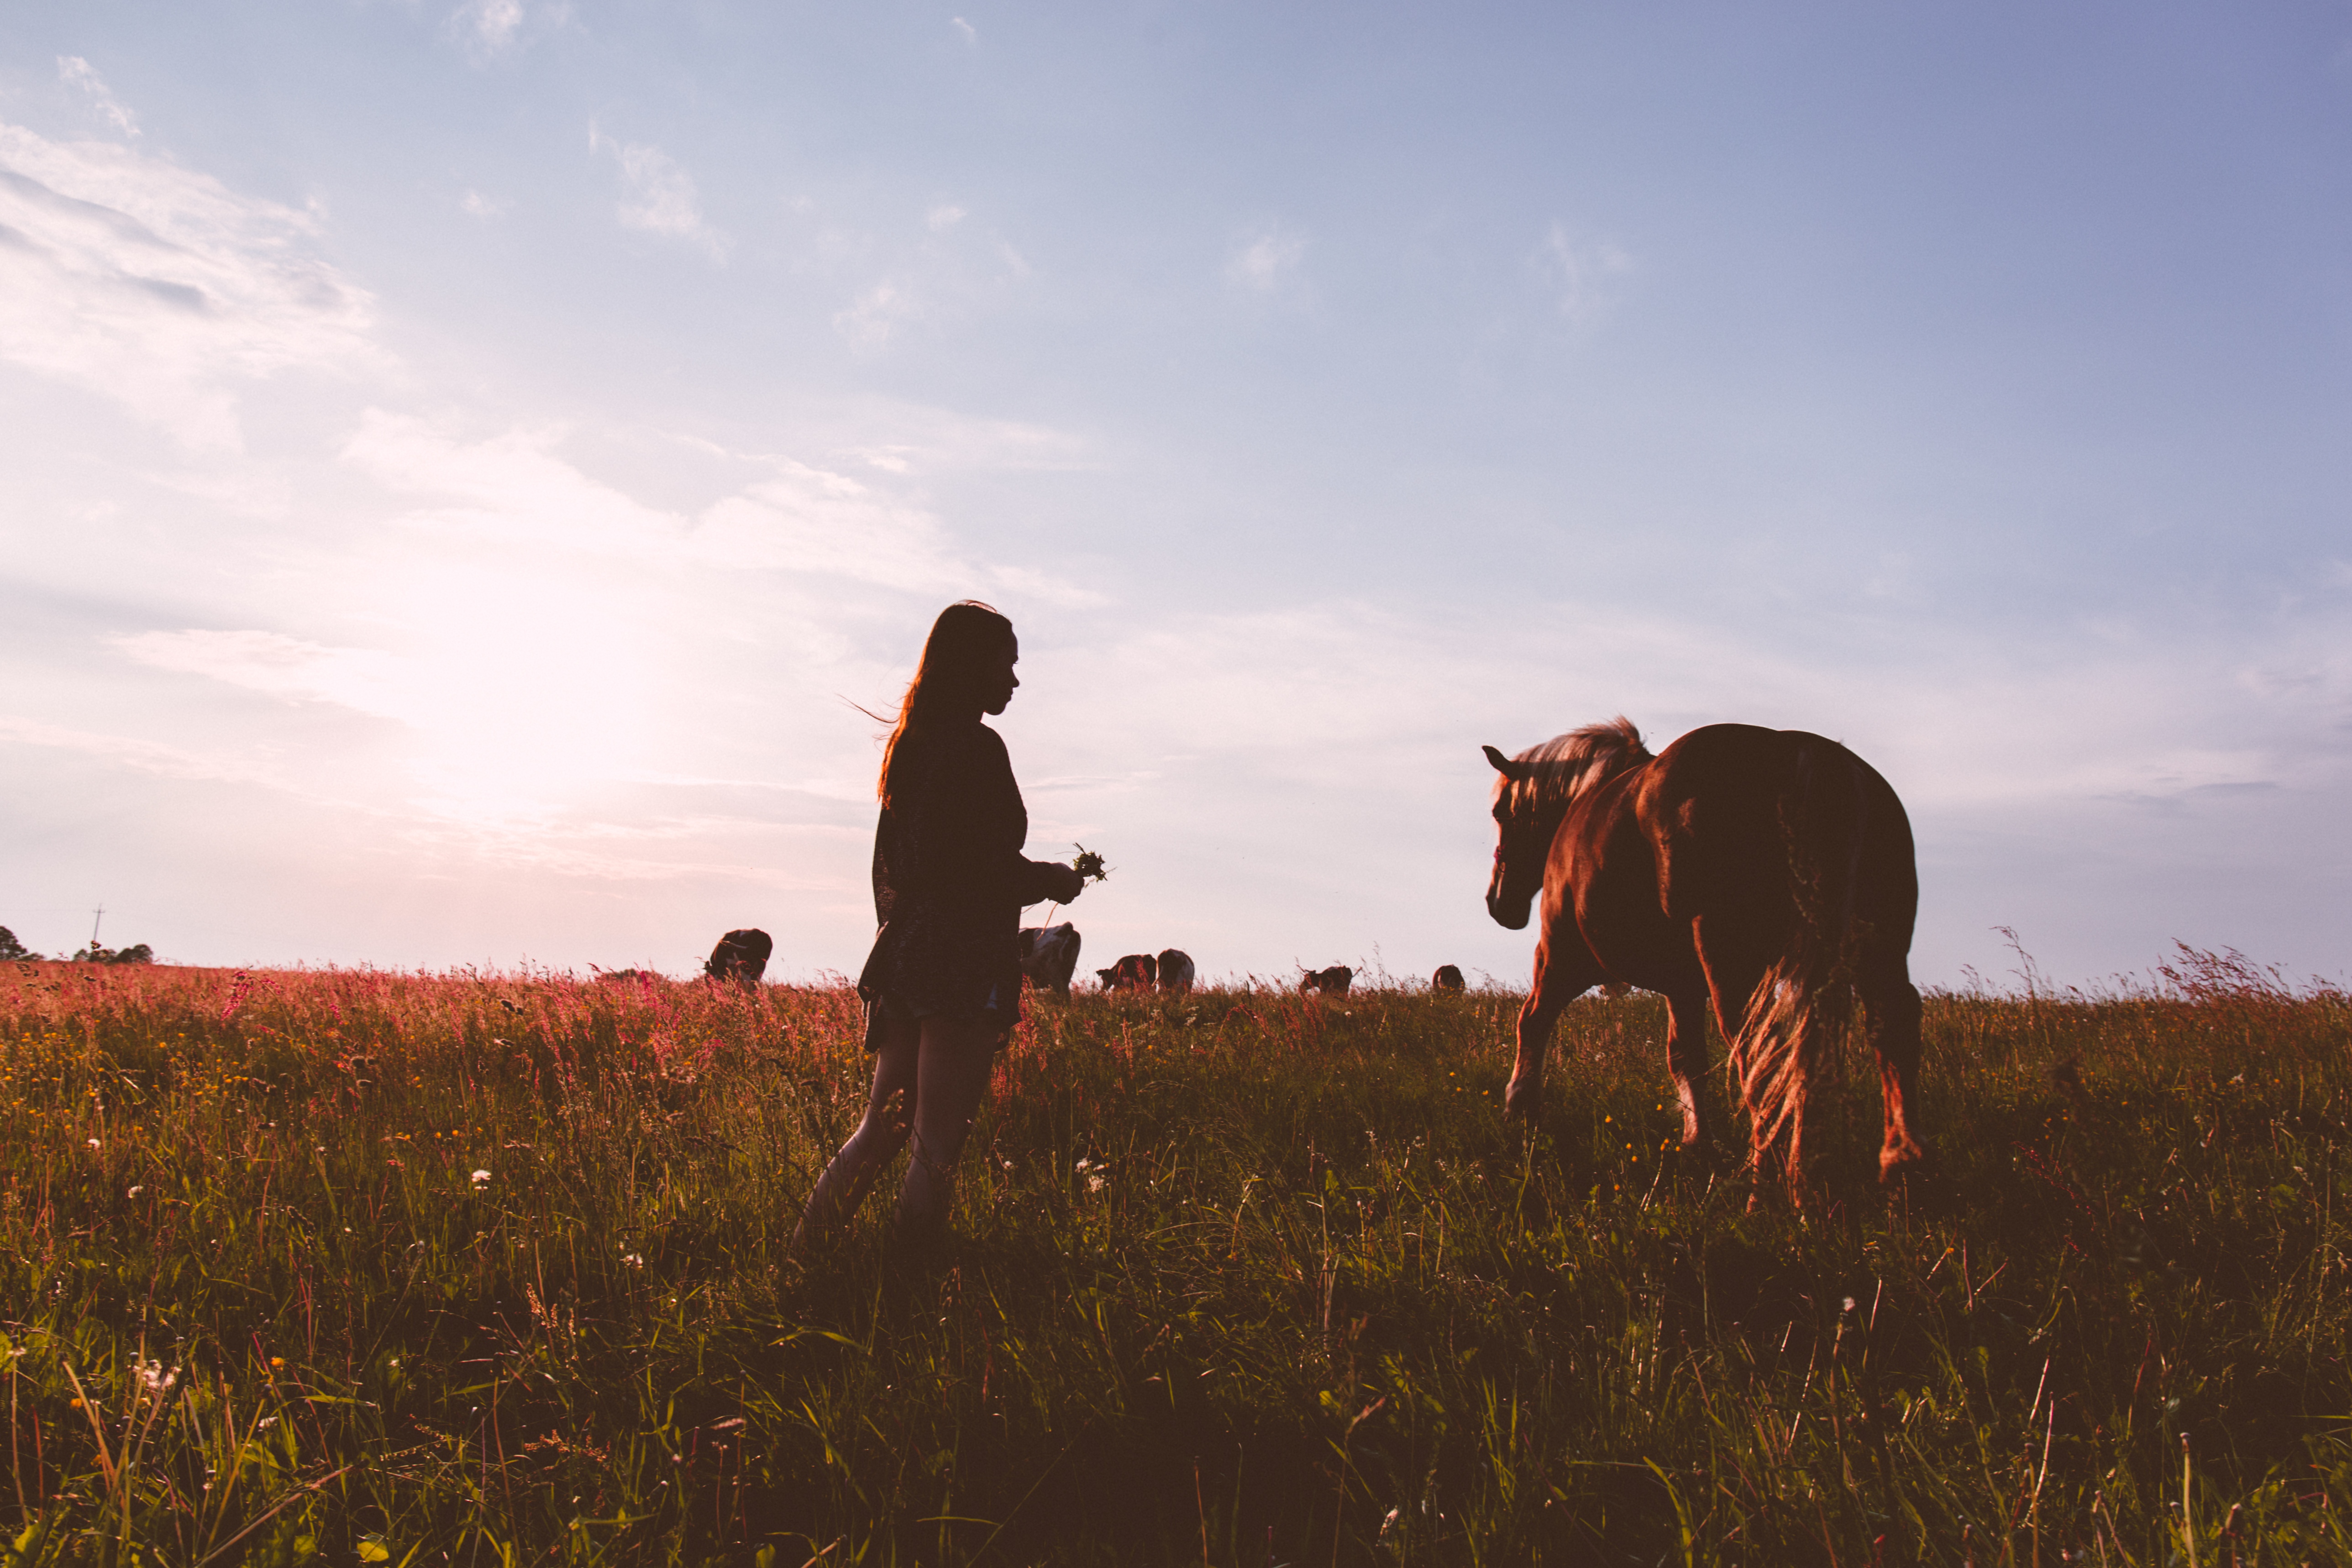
column 964, row 637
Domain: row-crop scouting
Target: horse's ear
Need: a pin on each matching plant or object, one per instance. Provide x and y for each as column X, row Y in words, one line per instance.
column 1504, row 765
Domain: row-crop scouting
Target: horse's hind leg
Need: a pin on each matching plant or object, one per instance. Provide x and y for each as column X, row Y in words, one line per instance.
column 1891, row 1008
column 1687, row 1061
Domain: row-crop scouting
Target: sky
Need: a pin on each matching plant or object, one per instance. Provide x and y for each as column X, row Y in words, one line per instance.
column 470, row 465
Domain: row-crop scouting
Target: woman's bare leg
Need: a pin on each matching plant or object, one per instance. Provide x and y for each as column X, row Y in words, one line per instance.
column 846, row 1181
column 957, row 1060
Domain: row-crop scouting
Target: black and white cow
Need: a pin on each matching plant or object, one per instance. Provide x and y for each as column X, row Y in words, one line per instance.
column 1332, row 982
column 1176, row 971
column 1137, row 971
column 1049, row 956
column 740, row 958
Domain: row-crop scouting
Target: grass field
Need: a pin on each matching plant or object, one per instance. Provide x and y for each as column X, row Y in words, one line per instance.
column 487, row 1268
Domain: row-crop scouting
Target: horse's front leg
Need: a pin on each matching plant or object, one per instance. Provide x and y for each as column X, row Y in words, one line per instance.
column 1687, row 1061
column 1553, row 989
column 1523, row 1097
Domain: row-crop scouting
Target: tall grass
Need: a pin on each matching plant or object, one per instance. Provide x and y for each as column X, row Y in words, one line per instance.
column 491, row 1269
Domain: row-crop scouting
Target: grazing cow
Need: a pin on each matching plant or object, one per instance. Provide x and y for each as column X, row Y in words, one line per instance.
column 1332, row 982
column 1049, row 956
column 740, row 959
column 1176, row 971
column 1137, row 972
column 1447, row 978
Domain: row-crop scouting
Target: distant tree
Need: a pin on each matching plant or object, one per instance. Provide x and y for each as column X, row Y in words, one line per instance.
column 137, row 953
column 12, row 948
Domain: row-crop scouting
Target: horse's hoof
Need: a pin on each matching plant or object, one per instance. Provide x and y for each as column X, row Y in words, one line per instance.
column 1522, row 1102
column 1895, row 1164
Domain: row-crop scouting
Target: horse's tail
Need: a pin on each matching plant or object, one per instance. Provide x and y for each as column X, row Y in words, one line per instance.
column 1798, row 1018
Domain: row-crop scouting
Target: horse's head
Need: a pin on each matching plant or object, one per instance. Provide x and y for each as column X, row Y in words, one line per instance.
column 1523, row 833
column 1533, row 795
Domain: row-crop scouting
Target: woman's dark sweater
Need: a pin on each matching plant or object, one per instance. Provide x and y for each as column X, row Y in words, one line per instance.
column 949, row 881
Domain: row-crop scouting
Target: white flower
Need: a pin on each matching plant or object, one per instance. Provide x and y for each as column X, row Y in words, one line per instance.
column 1093, row 1184
column 134, row 1192
column 155, row 1379
column 93, row 1143
column 1849, row 1303
column 633, row 1260
column 481, row 1178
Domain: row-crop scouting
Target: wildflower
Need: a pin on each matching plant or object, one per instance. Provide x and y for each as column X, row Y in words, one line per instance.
column 1093, row 1184
column 481, row 1178
column 276, row 1360
column 155, row 1378
column 1849, row 1303
column 134, row 1192
column 633, row 1260
column 93, row 1143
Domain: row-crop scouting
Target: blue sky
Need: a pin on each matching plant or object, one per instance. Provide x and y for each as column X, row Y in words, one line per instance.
column 466, row 459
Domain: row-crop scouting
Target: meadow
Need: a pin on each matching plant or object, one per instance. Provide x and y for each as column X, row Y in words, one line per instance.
column 491, row 1269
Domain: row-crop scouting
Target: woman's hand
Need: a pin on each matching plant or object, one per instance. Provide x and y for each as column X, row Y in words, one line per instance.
column 1066, row 884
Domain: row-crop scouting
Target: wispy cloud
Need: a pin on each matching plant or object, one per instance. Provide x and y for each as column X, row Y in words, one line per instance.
column 969, row 34
column 161, row 288
column 1261, row 261
column 75, row 71
column 876, row 315
column 661, row 197
column 474, row 205
column 1581, row 273
column 125, row 751
column 366, row 679
column 489, row 28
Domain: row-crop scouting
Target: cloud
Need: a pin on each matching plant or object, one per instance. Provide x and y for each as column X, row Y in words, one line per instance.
column 514, row 489
column 366, row 679
column 75, row 71
column 143, row 755
column 1580, row 274
column 160, row 288
column 661, row 196
column 489, row 24
column 474, row 205
column 1262, row 261
column 969, row 34
column 871, row 319
column 943, row 217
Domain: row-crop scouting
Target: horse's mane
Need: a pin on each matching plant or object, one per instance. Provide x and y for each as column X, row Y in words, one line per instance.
column 1566, row 766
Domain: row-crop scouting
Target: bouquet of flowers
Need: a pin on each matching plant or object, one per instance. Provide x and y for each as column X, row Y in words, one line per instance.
column 1090, row 864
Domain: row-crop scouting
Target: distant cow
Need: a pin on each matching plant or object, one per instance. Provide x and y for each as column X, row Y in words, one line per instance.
column 1176, row 971
column 1137, row 971
column 1447, row 978
column 1332, row 982
column 1049, row 956
column 740, row 958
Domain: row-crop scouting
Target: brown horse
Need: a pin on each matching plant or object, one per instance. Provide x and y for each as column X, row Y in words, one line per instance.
column 1767, row 872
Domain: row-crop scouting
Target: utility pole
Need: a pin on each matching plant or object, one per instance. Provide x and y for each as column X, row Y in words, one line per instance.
column 94, row 919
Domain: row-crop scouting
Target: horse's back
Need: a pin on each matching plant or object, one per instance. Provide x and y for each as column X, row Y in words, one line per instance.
column 1727, row 806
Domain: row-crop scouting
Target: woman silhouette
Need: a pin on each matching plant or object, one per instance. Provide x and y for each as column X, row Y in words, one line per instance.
column 943, row 983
